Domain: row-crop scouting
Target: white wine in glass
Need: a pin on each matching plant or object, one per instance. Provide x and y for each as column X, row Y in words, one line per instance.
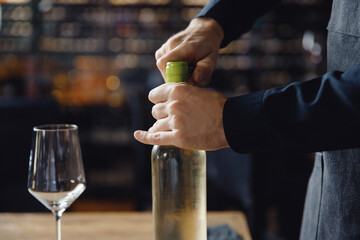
column 56, row 173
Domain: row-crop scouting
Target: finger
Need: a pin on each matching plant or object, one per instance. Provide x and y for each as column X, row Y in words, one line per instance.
column 159, row 94
column 158, row 138
column 204, row 69
column 159, row 111
column 160, row 52
column 161, row 125
column 179, row 53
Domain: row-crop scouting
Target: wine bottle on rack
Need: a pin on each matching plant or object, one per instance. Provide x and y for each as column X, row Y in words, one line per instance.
column 178, row 184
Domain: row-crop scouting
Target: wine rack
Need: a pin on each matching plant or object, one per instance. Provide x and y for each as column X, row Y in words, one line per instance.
column 117, row 35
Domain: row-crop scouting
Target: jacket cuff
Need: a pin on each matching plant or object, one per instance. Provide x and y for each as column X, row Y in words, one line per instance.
column 243, row 124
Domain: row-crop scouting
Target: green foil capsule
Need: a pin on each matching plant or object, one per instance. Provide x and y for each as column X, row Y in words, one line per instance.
column 177, row 72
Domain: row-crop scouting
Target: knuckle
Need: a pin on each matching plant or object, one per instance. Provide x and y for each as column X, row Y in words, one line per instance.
column 154, row 111
column 172, row 42
column 157, row 124
column 161, row 62
column 158, row 52
column 158, row 62
column 178, row 90
column 174, row 106
column 154, row 127
column 156, row 138
column 192, row 46
column 151, row 96
column 151, row 130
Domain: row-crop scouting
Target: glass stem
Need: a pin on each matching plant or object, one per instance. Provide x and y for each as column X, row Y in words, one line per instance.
column 58, row 215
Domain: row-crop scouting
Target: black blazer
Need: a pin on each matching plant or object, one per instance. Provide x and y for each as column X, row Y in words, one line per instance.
column 298, row 116
column 322, row 114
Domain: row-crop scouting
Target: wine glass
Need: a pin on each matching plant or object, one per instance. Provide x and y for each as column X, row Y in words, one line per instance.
column 56, row 174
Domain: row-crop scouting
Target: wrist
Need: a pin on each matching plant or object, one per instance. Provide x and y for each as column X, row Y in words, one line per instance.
column 219, row 126
column 208, row 24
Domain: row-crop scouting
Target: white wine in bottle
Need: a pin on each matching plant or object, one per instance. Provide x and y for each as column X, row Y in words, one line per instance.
column 178, row 184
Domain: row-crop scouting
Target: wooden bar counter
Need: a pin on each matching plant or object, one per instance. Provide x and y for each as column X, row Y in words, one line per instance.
column 99, row 226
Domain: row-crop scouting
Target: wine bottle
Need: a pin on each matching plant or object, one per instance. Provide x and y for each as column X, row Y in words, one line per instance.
column 178, row 184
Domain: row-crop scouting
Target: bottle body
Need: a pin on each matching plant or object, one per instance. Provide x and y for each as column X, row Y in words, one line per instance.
column 178, row 193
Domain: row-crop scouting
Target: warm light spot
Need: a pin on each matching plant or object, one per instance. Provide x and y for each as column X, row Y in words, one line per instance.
column 135, row 2
column 195, row 2
column 60, row 81
column 79, row 62
column 115, row 99
column 58, row 95
column 112, row 83
column 3, row 73
column 15, row 1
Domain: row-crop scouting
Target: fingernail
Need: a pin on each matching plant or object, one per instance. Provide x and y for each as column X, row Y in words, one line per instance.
column 137, row 134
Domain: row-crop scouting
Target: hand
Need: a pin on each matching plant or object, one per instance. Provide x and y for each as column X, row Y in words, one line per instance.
column 187, row 117
column 198, row 45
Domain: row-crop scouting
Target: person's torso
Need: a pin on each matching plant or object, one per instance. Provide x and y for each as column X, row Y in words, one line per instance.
column 343, row 35
column 332, row 209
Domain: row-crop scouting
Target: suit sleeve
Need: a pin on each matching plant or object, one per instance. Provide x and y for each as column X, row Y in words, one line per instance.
column 316, row 115
column 236, row 16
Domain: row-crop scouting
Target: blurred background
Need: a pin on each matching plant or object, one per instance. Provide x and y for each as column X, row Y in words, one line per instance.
column 91, row 63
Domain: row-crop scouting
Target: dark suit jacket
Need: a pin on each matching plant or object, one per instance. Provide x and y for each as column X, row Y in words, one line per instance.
column 321, row 114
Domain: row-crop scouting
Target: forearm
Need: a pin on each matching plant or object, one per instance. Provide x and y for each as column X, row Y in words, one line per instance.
column 320, row 114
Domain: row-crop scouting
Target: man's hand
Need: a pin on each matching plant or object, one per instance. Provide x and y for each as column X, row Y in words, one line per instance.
column 187, row 117
column 198, row 45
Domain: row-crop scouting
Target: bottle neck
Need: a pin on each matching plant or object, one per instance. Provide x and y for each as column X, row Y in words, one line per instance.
column 176, row 72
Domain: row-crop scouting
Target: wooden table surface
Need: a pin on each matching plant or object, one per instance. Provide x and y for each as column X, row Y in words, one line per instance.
column 99, row 226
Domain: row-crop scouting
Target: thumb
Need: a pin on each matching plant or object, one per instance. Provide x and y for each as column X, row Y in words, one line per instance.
column 157, row 138
column 204, row 69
